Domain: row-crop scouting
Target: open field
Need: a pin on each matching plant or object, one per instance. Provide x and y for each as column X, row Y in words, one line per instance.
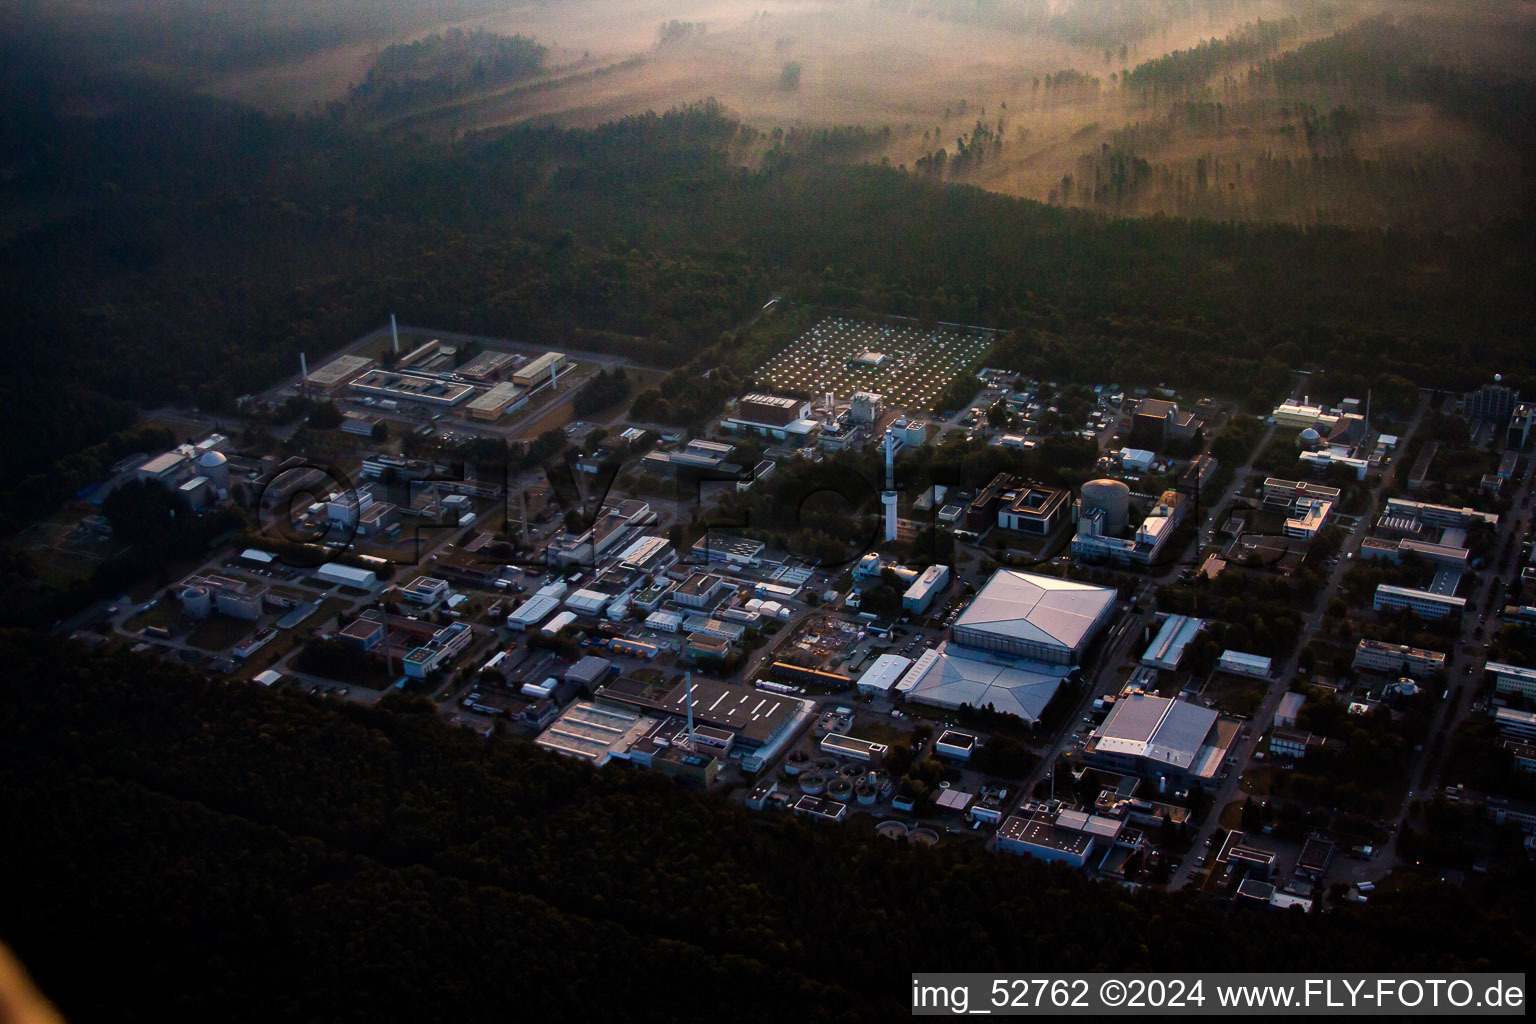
column 920, row 362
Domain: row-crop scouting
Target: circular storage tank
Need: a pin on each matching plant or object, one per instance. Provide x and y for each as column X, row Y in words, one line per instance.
column 812, row 783
column 866, row 792
column 892, row 829
column 840, row 790
column 850, row 771
column 215, row 467
column 826, row 764
column 797, row 762
column 1113, row 497
column 926, row 836
column 197, row 602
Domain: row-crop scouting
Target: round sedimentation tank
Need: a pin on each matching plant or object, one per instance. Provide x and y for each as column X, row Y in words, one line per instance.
column 850, row 771
column 797, row 762
column 1113, row 497
column 892, row 829
column 840, row 790
column 812, row 783
column 197, row 602
column 826, row 764
column 866, row 792
column 926, row 836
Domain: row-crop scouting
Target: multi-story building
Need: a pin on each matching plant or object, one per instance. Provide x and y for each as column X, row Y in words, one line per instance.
column 1493, row 402
column 1033, row 509
column 772, row 416
column 1512, row 679
column 1377, row 656
column 1421, row 602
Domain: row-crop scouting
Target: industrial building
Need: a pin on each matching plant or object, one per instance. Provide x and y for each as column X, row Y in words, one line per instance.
column 168, row 469
column 955, row 745
column 545, row 367
column 1157, row 420
column 950, row 676
column 1398, row 659
column 445, row 645
column 497, row 401
column 981, row 514
column 1290, row 707
column 486, row 365
column 716, row 546
column 1161, row 738
column 1037, row 617
column 919, row 596
column 401, row 386
column 595, row 732
column 204, row 594
column 1300, row 416
column 333, row 378
column 1240, row 663
column 855, row 749
column 425, row 590
column 1095, row 542
column 348, row 576
column 1167, row 648
column 756, row 718
column 772, row 416
column 880, row 677
column 1041, row 839
column 700, row 590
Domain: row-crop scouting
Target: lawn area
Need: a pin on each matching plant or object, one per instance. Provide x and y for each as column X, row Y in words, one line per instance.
column 867, row 727
column 1234, row 695
column 163, row 614
column 219, row 632
column 1232, row 816
column 329, row 609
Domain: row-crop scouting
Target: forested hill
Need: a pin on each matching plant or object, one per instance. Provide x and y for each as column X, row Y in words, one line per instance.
column 181, row 849
column 162, row 248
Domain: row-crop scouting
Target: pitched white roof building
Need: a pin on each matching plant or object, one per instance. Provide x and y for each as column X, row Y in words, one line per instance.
column 1037, row 617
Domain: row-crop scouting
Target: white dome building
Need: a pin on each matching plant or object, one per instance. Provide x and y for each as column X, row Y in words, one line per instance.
column 215, row 467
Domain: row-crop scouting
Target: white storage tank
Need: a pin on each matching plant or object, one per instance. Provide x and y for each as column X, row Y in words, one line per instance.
column 197, row 602
column 1114, row 497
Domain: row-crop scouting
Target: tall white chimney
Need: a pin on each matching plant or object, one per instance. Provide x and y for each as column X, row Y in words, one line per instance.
column 303, row 368
column 394, row 332
column 888, row 499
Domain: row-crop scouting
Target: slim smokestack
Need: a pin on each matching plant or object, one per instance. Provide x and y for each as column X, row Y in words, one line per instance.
column 303, row 368
column 394, row 332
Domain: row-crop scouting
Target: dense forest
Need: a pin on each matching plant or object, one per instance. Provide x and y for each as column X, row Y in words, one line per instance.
column 444, row 66
column 198, row 849
column 227, row 242
column 1232, row 129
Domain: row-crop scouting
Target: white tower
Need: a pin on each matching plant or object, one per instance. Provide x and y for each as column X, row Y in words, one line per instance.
column 303, row 368
column 394, row 332
column 888, row 499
